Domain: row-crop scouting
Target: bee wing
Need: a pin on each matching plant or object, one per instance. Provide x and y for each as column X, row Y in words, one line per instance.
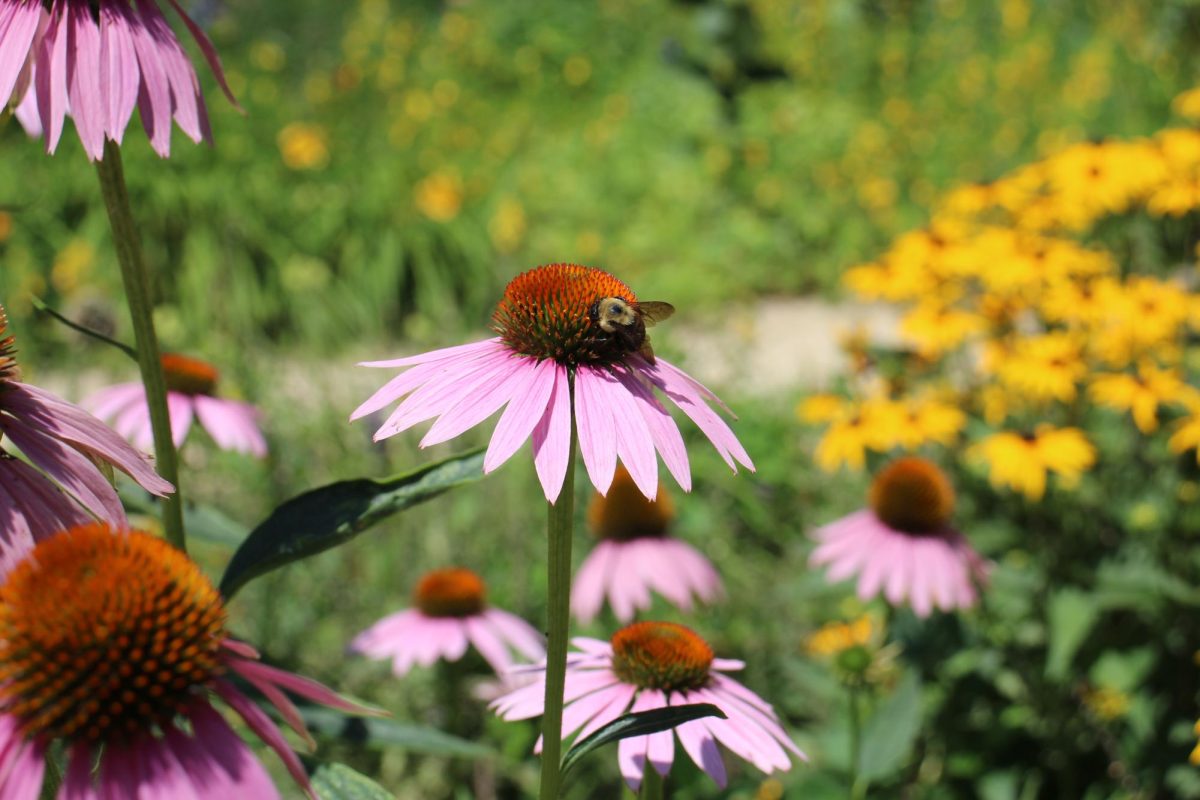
column 647, row 352
column 653, row 311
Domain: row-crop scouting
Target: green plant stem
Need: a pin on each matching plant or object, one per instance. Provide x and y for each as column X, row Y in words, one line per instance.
column 858, row 785
column 560, row 527
column 652, row 784
column 141, row 309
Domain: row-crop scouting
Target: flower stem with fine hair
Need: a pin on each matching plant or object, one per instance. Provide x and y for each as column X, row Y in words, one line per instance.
column 652, row 784
column 136, row 278
column 560, row 524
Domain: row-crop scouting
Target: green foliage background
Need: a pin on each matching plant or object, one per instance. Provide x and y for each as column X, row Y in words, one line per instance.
column 705, row 151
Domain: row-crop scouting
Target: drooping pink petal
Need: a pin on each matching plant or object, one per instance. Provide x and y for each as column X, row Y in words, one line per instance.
column 482, row 347
column 70, row 470
column 83, row 79
column 435, row 396
column 587, row 589
column 179, row 412
column 84, row 432
column 296, row 684
column 530, row 401
column 51, row 76
column 119, row 72
column 596, row 429
column 218, row 759
column 485, row 639
column 210, row 53
column 23, row 774
column 77, row 782
column 154, row 91
column 112, row 400
column 509, row 377
column 262, row 725
column 233, row 425
column 663, row 430
column 552, row 437
column 634, row 443
column 181, row 77
column 522, row 636
column 17, row 28
column 700, row 746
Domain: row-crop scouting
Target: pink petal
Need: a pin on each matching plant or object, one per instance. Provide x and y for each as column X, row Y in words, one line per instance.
column 552, row 437
column 119, row 72
column 232, row 425
column 77, row 782
column 634, row 444
column 517, row 632
column 699, row 744
column 70, row 470
column 179, row 414
column 257, row 720
column 185, row 89
column 218, row 760
column 596, row 429
column 456, row 353
column 83, row 79
column 530, row 397
column 210, row 53
column 508, row 380
column 682, row 391
column 17, row 28
column 488, row 643
column 51, row 77
column 663, row 430
column 587, row 589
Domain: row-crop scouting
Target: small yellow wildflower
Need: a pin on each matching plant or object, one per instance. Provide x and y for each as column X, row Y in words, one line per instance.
column 1022, row 462
column 928, row 419
column 1187, row 434
column 935, row 328
column 834, row 638
column 1106, row 703
column 1045, row 367
column 1187, row 104
column 1195, row 756
column 303, row 146
column 819, row 408
column 439, row 196
column 1141, row 394
column 872, row 425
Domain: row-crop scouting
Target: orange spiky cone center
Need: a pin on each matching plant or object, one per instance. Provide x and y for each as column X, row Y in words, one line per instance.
column 8, row 352
column 453, row 592
column 912, row 495
column 625, row 513
column 105, row 635
column 661, row 655
column 188, row 375
column 547, row 313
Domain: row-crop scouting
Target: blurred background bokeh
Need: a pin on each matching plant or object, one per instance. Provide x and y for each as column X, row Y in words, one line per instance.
column 398, row 163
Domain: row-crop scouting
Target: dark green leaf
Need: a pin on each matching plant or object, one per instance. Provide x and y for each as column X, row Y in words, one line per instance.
column 339, row 782
column 322, row 518
column 380, row 733
column 639, row 724
column 891, row 731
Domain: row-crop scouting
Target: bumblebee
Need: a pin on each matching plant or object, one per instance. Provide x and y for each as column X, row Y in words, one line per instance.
column 624, row 324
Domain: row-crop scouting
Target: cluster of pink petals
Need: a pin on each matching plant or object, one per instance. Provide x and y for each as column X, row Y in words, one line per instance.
column 627, row 571
column 94, row 60
column 210, row 762
column 595, row 696
column 233, row 425
column 62, row 441
column 926, row 571
column 616, row 411
column 412, row 637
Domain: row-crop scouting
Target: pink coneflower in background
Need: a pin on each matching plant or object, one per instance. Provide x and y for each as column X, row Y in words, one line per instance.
column 191, row 392
column 94, row 60
column 64, row 443
column 635, row 555
column 551, row 337
column 451, row 612
column 651, row 665
column 108, row 640
column 903, row 544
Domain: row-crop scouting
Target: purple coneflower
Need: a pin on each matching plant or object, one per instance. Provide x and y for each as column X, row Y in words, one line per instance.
column 191, row 393
column 650, row 665
column 64, row 443
column 94, row 60
column 903, row 544
column 635, row 555
column 108, row 641
column 451, row 612
column 551, row 351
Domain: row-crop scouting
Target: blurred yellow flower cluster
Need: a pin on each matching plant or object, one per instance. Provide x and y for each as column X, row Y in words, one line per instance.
column 1013, row 317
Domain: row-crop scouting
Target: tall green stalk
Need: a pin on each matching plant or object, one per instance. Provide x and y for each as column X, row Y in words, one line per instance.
column 858, row 784
column 560, row 524
column 141, row 309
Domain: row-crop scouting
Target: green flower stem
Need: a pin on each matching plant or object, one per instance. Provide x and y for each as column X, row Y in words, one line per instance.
column 858, row 785
column 652, row 784
column 560, row 527
column 141, row 308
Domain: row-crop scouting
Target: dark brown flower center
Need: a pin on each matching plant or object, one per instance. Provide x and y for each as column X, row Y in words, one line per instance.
column 661, row 655
column 188, row 375
column 625, row 513
column 550, row 312
column 105, row 634
column 453, row 592
column 913, row 496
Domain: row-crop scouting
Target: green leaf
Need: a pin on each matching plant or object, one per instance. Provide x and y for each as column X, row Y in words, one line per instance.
column 378, row 733
column 339, row 782
column 638, row 724
column 891, row 731
column 325, row 517
column 1070, row 616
